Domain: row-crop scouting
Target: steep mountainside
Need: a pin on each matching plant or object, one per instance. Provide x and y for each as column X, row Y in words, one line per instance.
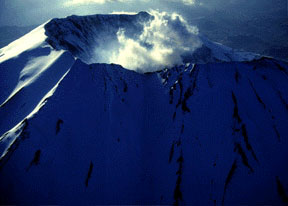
column 80, row 133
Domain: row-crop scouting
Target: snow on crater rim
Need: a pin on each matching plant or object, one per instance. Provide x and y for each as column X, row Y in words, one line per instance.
column 144, row 42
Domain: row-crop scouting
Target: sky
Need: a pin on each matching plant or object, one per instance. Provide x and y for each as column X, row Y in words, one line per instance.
column 31, row 12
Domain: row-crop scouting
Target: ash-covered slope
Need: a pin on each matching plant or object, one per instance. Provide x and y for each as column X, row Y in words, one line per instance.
column 74, row 133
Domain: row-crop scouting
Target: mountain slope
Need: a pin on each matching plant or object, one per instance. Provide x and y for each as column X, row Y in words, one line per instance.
column 214, row 132
column 79, row 133
column 29, row 69
column 40, row 58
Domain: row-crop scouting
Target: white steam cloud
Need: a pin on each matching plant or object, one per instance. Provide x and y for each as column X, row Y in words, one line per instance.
column 164, row 41
column 143, row 42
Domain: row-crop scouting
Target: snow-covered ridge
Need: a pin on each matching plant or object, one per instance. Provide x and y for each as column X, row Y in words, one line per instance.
column 33, row 39
column 29, row 69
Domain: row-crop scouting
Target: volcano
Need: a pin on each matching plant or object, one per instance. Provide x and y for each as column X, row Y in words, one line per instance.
column 85, row 120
